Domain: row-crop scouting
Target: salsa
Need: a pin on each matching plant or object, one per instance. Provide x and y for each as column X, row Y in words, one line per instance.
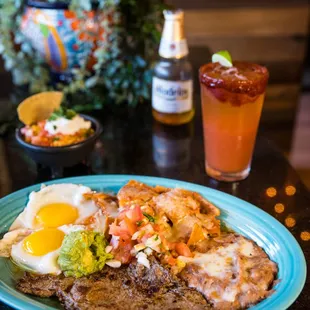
column 38, row 135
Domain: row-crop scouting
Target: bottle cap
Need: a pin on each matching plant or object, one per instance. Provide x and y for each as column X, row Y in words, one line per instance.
column 173, row 43
column 174, row 15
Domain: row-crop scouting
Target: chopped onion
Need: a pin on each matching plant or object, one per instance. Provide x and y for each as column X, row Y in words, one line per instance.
column 138, row 247
column 114, row 263
column 136, row 235
column 114, row 241
column 148, row 228
column 108, row 249
column 153, row 243
column 142, row 259
column 148, row 251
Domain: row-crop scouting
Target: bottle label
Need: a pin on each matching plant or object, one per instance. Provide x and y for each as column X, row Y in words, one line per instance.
column 172, row 96
column 173, row 49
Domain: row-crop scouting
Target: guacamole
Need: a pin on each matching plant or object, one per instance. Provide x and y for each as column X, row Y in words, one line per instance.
column 83, row 253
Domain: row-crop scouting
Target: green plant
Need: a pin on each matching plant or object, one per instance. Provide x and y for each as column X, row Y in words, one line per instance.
column 123, row 70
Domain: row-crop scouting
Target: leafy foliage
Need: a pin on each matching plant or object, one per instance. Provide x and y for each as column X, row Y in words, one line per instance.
column 123, row 68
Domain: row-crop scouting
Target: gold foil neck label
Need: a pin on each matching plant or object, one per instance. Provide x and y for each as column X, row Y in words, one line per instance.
column 173, row 43
column 174, row 15
column 173, row 49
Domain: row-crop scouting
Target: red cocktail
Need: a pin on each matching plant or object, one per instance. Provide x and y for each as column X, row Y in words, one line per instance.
column 232, row 100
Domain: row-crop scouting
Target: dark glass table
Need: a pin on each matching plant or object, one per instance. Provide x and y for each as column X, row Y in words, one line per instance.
column 132, row 143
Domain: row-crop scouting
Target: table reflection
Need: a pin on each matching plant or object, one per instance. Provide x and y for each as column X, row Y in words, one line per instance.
column 171, row 146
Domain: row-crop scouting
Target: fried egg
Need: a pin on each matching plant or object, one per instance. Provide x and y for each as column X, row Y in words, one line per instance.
column 39, row 251
column 54, row 206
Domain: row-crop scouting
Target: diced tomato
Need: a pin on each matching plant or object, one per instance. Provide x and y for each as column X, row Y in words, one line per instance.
column 123, row 225
column 131, row 226
column 135, row 214
column 196, row 235
column 156, row 227
column 171, row 260
column 41, row 124
column 119, row 231
column 183, row 249
column 171, row 245
column 37, row 140
column 26, row 131
column 123, row 251
column 122, row 214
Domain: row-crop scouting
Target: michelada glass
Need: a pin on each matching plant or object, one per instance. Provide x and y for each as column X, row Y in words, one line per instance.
column 232, row 100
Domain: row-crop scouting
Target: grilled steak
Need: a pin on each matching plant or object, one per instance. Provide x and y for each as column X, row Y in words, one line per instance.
column 132, row 287
column 43, row 285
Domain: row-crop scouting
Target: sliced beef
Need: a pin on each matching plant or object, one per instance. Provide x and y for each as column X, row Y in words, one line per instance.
column 43, row 285
column 133, row 287
column 153, row 280
column 110, row 289
column 116, row 289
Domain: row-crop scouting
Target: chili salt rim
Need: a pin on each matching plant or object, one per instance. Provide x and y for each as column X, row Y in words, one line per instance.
column 241, row 84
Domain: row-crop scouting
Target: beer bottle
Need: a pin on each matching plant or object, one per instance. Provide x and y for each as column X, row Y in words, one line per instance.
column 172, row 87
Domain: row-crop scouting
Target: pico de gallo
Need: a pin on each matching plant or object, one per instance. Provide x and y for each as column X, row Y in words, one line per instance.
column 136, row 233
column 63, row 127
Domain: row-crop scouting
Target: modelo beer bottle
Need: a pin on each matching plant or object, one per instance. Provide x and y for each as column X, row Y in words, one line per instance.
column 172, row 89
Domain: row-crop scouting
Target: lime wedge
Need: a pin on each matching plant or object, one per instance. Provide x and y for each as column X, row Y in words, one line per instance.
column 223, row 57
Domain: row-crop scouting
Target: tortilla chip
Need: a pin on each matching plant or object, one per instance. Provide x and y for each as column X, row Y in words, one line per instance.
column 39, row 107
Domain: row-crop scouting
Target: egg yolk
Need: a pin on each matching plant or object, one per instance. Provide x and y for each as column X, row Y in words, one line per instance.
column 56, row 214
column 43, row 241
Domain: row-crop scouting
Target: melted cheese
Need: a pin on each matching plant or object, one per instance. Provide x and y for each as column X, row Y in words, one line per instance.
column 216, row 264
column 246, row 248
column 222, row 263
column 230, row 294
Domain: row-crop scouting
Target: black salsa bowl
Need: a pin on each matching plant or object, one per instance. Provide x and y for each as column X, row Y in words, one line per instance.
column 62, row 156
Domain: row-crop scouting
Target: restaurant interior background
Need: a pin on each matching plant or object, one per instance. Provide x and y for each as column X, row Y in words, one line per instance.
column 274, row 33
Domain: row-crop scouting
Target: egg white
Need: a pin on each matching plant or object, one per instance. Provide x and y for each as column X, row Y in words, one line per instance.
column 45, row 264
column 71, row 194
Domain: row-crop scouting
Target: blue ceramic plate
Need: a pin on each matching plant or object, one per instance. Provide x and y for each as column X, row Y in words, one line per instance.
column 239, row 215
